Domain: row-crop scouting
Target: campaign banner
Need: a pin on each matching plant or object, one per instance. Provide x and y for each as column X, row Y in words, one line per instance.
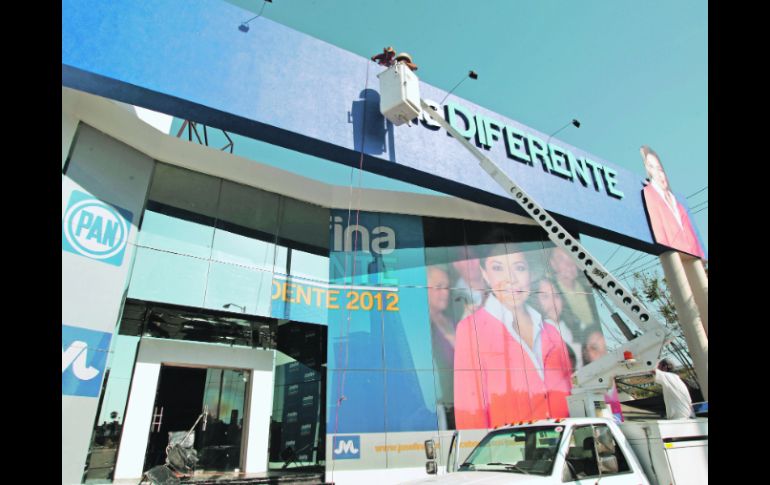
column 512, row 317
column 379, row 354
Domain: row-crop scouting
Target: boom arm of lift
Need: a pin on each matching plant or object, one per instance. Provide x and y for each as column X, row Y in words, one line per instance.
column 592, row 381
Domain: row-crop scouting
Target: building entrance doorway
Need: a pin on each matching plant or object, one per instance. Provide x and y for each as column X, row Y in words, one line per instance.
column 183, row 394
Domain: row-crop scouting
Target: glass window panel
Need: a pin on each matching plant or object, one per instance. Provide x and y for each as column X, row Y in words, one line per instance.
column 580, row 306
column 238, row 289
column 411, row 401
column 184, row 189
column 247, row 224
column 447, row 308
column 175, row 233
column 102, row 455
column 307, row 266
column 406, row 324
column 302, row 265
column 249, row 208
column 165, row 277
column 356, row 338
column 377, row 249
column 445, row 249
column 231, row 247
column 363, row 408
column 303, row 300
column 303, row 224
column 180, row 323
column 574, row 304
column 300, row 387
column 526, row 369
column 443, row 380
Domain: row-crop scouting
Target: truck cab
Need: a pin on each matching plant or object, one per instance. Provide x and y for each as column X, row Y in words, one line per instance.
column 573, row 451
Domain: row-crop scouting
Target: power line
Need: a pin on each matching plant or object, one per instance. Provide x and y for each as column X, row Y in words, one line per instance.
column 613, row 254
column 621, row 269
column 633, row 251
column 701, row 210
column 698, row 192
column 641, row 268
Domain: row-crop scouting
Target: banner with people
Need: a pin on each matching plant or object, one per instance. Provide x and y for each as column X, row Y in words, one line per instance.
column 512, row 318
column 450, row 324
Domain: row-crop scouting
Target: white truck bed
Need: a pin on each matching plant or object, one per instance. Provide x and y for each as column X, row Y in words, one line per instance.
column 671, row 452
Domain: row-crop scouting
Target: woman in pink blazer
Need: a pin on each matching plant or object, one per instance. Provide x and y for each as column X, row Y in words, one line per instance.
column 510, row 365
column 671, row 225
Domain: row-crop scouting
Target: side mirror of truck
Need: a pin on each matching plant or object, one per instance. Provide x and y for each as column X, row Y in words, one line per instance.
column 430, row 450
column 431, row 468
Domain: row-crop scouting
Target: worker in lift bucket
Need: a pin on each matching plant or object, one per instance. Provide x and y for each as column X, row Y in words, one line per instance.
column 386, row 58
column 675, row 393
column 406, row 59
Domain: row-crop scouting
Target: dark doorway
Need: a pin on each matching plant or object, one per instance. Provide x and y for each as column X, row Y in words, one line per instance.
column 177, row 406
column 184, row 393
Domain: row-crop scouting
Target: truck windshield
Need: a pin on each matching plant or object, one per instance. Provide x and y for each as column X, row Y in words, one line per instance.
column 529, row 450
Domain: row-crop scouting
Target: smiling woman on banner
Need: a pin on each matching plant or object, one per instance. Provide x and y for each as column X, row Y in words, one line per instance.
column 510, row 365
column 670, row 221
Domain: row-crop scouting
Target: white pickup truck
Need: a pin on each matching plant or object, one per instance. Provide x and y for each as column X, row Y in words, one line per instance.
column 581, row 451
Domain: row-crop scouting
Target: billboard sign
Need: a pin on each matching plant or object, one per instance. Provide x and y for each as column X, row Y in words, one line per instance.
column 669, row 218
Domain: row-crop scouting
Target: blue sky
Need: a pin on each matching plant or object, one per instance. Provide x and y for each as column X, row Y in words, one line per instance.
column 632, row 72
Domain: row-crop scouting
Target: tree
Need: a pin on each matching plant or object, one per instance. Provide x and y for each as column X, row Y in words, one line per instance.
column 651, row 288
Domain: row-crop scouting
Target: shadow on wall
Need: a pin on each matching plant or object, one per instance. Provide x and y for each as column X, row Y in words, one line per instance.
column 376, row 137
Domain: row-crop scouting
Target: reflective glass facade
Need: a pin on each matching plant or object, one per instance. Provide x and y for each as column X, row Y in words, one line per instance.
column 427, row 323
column 394, row 291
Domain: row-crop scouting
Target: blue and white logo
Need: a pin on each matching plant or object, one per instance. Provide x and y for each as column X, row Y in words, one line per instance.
column 83, row 359
column 346, row 447
column 94, row 229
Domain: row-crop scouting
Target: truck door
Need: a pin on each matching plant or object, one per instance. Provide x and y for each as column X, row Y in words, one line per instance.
column 594, row 454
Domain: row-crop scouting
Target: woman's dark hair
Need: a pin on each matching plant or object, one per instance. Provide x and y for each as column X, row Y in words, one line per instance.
column 501, row 240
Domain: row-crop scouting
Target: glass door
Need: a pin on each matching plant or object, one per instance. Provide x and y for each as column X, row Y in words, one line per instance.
column 224, row 401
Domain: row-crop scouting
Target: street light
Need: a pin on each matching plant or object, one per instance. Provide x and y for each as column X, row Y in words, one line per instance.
column 244, row 27
column 471, row 74
column 228, row 305
column 575, row 123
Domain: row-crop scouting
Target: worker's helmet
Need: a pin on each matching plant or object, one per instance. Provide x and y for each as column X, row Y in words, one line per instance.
column 404, row 57
column 389, row 49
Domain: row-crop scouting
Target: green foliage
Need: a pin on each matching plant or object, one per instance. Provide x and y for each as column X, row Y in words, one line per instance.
column 654, row 290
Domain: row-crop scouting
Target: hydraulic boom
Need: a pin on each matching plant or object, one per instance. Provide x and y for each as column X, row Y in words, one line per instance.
column 596, row 378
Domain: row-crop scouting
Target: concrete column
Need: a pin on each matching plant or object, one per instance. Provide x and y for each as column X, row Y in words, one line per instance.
column 689, row 319
column 699, row 284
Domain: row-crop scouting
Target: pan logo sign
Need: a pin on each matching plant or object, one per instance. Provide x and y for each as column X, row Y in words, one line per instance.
column 347, row 447
column 83, row 358
column 94, row 229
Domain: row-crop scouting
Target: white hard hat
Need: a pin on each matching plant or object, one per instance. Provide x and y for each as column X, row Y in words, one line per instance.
column 404, row 55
